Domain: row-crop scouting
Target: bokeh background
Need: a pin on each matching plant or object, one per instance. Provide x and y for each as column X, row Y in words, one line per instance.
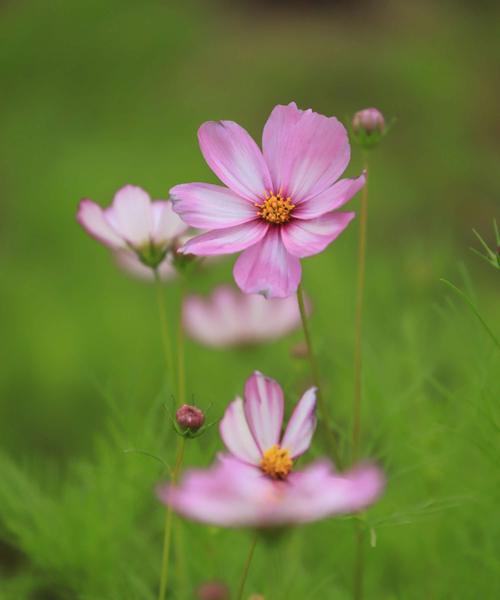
column 98, row 94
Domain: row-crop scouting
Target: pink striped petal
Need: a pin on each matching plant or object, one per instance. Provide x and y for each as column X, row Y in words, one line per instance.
column 264, row 406
column 92, row 218
column 300, row 428
column 167, row 225
column 268, row 269
column 235, row 158
column 130, row 215
column 306, row 238
column 226, row 241
column 208, row 206
column 306, row 152
column 236, row 434
column 331, row 199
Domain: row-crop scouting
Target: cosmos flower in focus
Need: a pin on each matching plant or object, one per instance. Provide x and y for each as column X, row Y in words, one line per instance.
column 230, row 318
column 133, row 223
column 256, row 486
column 279, row 204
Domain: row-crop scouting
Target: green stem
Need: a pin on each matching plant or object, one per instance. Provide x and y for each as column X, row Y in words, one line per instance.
column 165, row 330
column 246, row 568
column 356, row 432
column 358, row 378
column 168, row 523
column 357, row 593
column 181, row 362
column 315, row 374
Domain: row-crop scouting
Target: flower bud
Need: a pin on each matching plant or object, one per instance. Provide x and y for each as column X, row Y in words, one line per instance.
column 189, row 417
column 256, row 597
column 369, row 120
column 213, row 590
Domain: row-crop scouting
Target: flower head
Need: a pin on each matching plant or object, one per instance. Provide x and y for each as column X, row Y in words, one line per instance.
column 134, row 223
column 213, row 590
column 230, row 318
column 256, row 486
column 368, row 127
column 189, row 417
column 279, row 203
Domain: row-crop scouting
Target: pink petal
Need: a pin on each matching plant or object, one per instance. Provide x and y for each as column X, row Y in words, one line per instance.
column 300, row 429
column 235, row 158
column 332, row 198
column 236, row 434
column 167, row 225
column 226, row 241
column 264, row 406
column 130, row 215
column 268, row 269
column 306, row 152
column 210, row 206
column 91, row 217
column 305, row 238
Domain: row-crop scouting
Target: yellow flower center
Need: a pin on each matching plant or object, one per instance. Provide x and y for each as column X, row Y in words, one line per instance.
column 276, row 209
column 276, row 462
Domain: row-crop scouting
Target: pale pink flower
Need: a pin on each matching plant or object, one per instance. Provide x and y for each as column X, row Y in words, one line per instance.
column 255, row 485
column 134, row 223
column 279, row 203
column 230, row 318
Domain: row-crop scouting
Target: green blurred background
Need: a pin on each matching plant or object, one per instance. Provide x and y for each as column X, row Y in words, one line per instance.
column 98, row 94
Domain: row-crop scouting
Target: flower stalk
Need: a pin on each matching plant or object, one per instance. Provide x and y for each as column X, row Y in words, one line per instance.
column 165, row 329
column 246, row 568
column 315, row 375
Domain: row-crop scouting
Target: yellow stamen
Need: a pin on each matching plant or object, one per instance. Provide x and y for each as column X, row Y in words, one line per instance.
column 276, row 462
column 275, row 209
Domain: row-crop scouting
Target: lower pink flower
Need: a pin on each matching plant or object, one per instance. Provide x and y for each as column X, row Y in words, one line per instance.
column 255, row 486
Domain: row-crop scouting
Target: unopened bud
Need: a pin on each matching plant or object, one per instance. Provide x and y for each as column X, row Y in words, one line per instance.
column 189, row 417
column 300, row 350
column 369, row 120
column 213, row 590
column 256, row 597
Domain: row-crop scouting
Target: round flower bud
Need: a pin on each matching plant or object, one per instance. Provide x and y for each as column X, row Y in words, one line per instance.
column 369, row 121
column 189, row 417
column 213, row 590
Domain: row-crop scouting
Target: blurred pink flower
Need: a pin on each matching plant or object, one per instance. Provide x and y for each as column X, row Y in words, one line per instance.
column 235, row 494
column 230, row 318
column 255, row 485
column 133, row 222
column 278, row 204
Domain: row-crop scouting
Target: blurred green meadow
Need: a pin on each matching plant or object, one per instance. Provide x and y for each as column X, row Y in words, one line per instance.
column 98, row 94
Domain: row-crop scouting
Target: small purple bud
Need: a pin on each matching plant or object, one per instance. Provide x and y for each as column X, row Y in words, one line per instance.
column 189, row 417
column 369, row 121
column 213, row 590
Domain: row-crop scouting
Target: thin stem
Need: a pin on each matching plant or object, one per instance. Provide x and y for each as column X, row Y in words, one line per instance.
column 358, row 379
column 357, row 593
column 181, row 362
column 315, row 374
column 246, row 568
column 356, row 431
column 168, row 523
column 165, row 330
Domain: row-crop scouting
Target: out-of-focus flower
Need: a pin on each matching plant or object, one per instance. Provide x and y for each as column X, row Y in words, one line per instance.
column 256, row 597
column 255, row 485
column 235, row 494
column 230, row 318
column 213, row 590
column 368, row 127
column 134, row 223
column 189, row 417
column 278, row 206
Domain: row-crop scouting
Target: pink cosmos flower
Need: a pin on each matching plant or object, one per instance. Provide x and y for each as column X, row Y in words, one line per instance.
column 230, row 318
column 134, row 223
column 278, row 204
column 255, row 485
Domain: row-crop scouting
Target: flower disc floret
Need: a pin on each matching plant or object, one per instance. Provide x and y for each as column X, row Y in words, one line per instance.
column 276, row 462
